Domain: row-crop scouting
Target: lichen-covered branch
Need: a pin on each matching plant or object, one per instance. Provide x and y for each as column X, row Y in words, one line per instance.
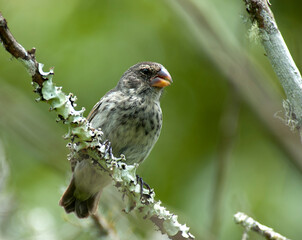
column 280, row 58
column 250, row 224
column 239, row 69
column 86, row 142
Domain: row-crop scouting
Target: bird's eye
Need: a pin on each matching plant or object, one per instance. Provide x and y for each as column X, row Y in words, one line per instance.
column 145, row 71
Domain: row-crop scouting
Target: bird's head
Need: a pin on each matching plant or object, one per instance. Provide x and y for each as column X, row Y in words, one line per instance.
column 145, row 78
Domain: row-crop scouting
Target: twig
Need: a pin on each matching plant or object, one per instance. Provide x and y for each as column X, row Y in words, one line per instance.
column 104, row 227
column 280, row 58
column 250, row 224
column 19, row 52
column 245, row 235
column 86, row 141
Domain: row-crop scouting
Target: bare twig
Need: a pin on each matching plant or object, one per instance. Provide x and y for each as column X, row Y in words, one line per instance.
column 280, row 58
column 86, row 141
column 250, row 224
column 104, row 227
column 19, row 52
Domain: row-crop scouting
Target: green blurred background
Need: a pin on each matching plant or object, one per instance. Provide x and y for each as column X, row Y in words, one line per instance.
column 221, row 149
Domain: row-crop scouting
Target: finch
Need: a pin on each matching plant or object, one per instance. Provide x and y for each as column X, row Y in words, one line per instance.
column 131, row 119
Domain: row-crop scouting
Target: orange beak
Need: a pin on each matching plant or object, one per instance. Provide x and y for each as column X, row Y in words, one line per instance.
column 162, row 79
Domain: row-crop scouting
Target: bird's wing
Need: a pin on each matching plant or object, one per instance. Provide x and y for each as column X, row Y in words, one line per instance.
column 94, row 111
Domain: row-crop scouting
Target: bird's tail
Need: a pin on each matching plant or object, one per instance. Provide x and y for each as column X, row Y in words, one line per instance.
column 82, row 208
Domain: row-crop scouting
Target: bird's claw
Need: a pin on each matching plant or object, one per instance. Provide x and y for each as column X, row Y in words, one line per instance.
column 268, row 2
column 108, row 149
column 142, row 184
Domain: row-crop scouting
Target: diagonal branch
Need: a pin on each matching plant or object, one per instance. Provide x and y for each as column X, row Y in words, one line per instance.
column 241, row 71
column 86, row 142
column 250, row 224
column 281, row 60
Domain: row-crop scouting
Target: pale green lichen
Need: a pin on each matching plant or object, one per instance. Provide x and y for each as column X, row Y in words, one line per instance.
column 254, row 33
column 289, row 118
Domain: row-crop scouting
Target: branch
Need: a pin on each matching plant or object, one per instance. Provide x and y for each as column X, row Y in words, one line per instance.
column 281, row 60
column 250, row 224
column 240, row 70
column 86, row 142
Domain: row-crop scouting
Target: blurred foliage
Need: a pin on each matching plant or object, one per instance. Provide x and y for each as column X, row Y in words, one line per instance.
column 90, row 44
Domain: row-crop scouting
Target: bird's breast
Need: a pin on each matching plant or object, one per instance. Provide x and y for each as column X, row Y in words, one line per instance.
column 132, row 126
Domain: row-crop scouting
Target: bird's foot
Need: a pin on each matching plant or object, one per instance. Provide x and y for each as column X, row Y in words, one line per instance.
column 108, row 149
column 142, row 184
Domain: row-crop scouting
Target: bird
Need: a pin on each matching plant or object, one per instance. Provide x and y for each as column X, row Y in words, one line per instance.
column 130, row 118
